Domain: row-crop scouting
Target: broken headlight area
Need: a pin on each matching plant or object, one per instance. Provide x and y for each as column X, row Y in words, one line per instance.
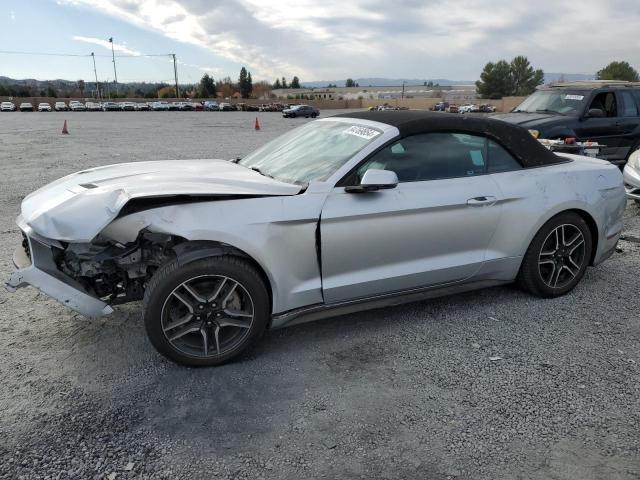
column 116, row 273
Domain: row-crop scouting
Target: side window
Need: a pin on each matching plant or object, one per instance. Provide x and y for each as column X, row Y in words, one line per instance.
column 629, row 108
column 606, row 101
column 431, row 156
column 499, row 159
column 636, row 94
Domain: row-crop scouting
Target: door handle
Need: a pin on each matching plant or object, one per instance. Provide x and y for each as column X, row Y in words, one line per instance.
column 481, row 201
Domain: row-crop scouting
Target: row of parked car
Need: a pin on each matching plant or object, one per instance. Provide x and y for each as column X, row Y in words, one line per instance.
column 467, row 108
column 109, row 106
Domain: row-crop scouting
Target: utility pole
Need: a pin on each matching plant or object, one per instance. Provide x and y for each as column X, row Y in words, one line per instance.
column 175, row 74
column 403, row 90
column 113, row 56
column 96, row 74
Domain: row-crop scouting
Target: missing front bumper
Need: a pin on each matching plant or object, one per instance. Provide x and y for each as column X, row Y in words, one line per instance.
column 39, row 270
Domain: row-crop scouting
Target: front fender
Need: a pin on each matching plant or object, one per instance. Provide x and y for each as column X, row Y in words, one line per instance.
column 277, row 233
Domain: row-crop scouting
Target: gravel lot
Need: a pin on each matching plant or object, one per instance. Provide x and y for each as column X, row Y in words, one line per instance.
column 405, row 392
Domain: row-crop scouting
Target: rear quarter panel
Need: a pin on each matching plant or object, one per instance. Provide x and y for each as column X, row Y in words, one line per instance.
column 531, row 197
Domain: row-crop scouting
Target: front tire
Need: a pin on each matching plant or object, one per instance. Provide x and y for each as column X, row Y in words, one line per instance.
column 557, row 257
column 206, row 312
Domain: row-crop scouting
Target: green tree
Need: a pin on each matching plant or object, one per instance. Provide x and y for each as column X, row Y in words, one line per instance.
column 244, row 83
column 295, row 82
column 284, row 83
column 249, row 84
column 495, row 80
column 277, row 84
column 503, row 79
column 349, row 83
column 51, row 92
column 618, row 71
column 525, row 79
column 81, row 87
column 206, row 88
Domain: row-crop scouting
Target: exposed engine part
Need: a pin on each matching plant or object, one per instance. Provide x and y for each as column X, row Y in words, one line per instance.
column 114, row 272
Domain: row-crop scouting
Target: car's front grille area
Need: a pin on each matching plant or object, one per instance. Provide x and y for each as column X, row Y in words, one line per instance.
column 25, row 245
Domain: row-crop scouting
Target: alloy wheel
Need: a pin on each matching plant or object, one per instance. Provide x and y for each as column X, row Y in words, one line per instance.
column 562, row 256
column 207, row 316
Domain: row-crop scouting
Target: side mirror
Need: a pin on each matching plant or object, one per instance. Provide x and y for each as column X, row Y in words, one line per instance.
column 595, row 113
column 374, row 180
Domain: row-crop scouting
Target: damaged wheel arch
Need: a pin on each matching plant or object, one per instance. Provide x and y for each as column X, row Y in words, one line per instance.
column 193, row 250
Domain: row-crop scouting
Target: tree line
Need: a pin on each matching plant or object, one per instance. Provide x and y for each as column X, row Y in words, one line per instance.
column 497, row 80
column 519, row 78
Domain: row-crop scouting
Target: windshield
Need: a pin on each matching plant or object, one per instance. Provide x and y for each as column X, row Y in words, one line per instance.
column 553, row 101
column 311, row 152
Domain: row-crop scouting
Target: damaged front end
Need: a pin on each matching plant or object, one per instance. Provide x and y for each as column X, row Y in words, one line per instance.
column 89, row 277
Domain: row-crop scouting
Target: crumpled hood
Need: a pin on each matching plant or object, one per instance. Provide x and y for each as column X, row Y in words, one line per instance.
column 77, row 207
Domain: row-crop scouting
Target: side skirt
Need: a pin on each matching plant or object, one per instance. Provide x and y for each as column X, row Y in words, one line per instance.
column 320, row 311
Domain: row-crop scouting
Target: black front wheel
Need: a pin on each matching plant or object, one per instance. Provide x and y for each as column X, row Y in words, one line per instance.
column 557, row 257
column 207, row 312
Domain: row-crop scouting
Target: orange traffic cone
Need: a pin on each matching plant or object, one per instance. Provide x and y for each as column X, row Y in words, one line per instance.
column 257, row 124
column 65, row 130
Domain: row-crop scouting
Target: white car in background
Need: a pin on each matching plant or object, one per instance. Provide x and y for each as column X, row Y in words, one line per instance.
column 44, row 107
column 26, row 107
column 76, row 106
column 631, row 174
column 7, row 107
column 470, row 108
column 60, row 107
column 159, row 106
column 93, row 107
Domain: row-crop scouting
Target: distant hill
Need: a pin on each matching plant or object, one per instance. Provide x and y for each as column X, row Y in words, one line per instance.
column 62, row 84
column 386, row 82
column 68, row 88
column 568, row 77
column 393, row 82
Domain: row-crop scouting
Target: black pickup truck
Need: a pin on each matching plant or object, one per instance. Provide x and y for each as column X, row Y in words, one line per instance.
column 604, row 111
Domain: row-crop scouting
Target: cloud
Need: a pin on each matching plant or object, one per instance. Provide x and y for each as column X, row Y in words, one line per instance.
column 405, row 38
column 121, row 48
column 12, row 16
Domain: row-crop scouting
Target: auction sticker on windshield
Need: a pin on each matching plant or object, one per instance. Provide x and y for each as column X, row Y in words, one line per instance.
column 362, row 132
column 574, row 97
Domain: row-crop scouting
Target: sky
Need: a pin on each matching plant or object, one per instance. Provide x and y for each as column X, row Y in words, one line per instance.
column 315, row 40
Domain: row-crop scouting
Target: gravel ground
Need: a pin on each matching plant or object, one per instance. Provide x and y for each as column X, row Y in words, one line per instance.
column 405, row 392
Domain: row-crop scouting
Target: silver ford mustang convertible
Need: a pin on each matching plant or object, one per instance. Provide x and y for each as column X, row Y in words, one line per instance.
column 345, row 213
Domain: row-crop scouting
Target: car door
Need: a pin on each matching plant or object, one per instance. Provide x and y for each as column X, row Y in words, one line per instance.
column 628, row 123
column 604, row 130
column 433, row 228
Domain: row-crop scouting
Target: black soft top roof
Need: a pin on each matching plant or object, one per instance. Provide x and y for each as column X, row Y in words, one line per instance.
column 514, row 138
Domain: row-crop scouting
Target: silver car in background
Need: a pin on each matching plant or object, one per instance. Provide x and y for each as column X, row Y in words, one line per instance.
column 7, row 107
column 341, row 214
column 631, row 174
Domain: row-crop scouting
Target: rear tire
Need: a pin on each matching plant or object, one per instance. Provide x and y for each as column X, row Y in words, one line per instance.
column 206, row 312
column 557, row 257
